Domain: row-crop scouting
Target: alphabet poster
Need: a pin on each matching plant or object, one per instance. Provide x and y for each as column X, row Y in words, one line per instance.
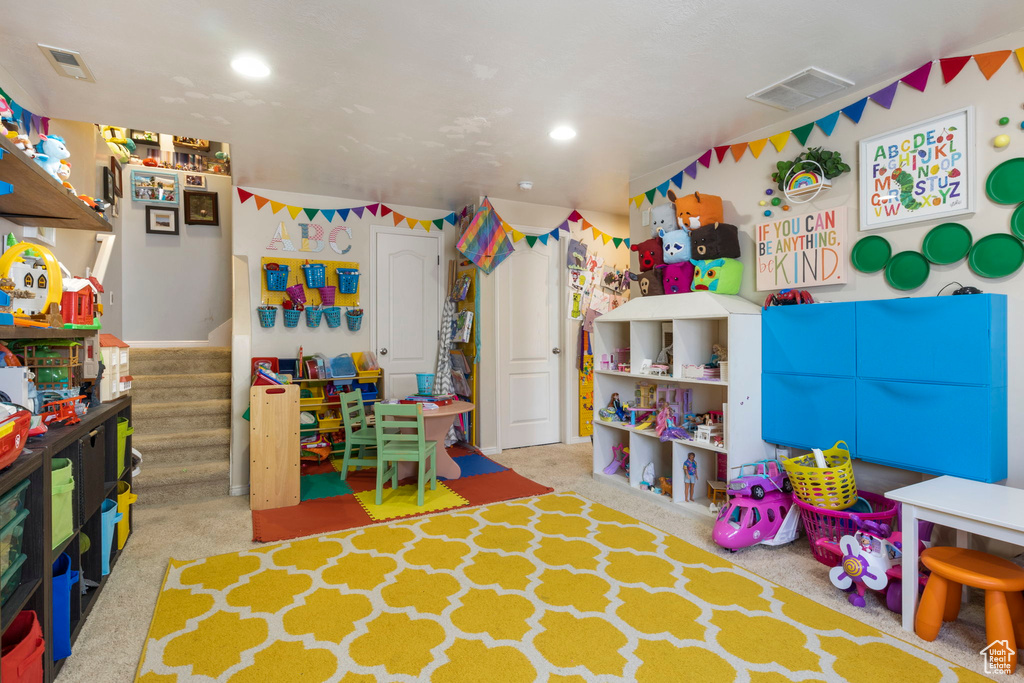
column 802, row 251
column 922, row 172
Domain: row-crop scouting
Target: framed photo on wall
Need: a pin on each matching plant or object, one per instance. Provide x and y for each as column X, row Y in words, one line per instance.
column 921, row 172
column 145, row 137
column 161, row 220
column 155, row 188
column 109, row 195
column 115, row 169
column 201, row 208
column 196, row 181
column 194, row 143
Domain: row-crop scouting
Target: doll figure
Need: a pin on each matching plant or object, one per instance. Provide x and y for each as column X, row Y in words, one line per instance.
column 718, row 355
column 690, row 475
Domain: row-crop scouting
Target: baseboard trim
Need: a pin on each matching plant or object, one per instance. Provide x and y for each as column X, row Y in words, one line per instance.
column 242, row 490
column 573, row 440
column 493, row 450
column 167, row 344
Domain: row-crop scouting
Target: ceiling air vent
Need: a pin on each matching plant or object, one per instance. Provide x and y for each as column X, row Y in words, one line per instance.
column 799, row 89
column 67, row 63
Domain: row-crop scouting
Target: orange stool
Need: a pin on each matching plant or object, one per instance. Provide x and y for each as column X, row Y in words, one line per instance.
column 954, row 568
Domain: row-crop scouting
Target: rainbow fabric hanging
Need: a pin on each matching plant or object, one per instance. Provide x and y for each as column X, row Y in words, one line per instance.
column 485, row 241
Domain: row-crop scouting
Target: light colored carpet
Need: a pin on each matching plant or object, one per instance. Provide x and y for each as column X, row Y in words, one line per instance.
column 112, row 639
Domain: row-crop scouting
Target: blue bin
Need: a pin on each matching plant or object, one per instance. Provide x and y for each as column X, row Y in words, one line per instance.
column 291, row 317
column 109, row 517
column 277, row 280
column 316, row 276
column 348, row 280
column 64, row 577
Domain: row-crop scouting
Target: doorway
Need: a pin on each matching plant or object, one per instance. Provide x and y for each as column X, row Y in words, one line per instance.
column 407, row 305
column 529, row 355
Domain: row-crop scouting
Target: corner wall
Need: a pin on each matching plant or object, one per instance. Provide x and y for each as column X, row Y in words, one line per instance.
column 742, row 185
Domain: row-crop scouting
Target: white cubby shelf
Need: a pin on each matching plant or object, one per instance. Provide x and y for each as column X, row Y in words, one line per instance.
column 694, row 322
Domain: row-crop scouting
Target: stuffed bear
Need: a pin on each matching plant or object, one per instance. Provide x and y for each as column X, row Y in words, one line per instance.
column 719, row 240
column 650, row 253
column 675, row 246
column 677, row 278
column 663, row 217
column 650, row 283
column 721, row 276
column 695, row 210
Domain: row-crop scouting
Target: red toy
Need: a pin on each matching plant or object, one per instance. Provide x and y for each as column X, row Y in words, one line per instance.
column 788, row 297
column 61, row 411
column 13, row 435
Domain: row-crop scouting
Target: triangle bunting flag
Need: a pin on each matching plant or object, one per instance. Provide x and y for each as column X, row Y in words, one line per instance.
column 294, row 211
column 328, row 214
column 543, row 239
column 451, row 218
column 275, row 206
column 372, row 208
column 606, row 238
column 531, row 240
column 358, row 210
column 663, row 188
column 311, row 213
column 554, row 233
column 384, row 210
column 738, row 149
column 243, row 195
column 855, row 110
column 677, row 180
column 397, row 217
column 1019, row 52
column 626, row 242
column 756, row 146
column 705, row 159
column 596, row 233
column 989, row 62
column 438, row 223
column 803, row 132
column 638, row 200
column 650, row 195
column 574, row 216
column 691, row 170
column 721, row 151
column 260, row 201
column 586, row 224
column 616, row 241
column 779, row 140
column 564, row 225
column 918, row 78
column 885, row 96
column 828, row 123
column 516, row 235
column 952, row 66
column 344, row 213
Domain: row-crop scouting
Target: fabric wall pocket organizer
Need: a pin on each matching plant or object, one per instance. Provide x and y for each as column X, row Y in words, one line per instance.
column 907, row 270
column 1005, row 184
column 871, row 254
column 947, row 243
column 996, row 255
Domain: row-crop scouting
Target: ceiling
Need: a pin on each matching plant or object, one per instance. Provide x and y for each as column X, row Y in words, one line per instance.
column 432, row 103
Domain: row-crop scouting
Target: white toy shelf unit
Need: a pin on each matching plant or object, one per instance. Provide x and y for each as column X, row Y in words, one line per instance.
column 692, row 323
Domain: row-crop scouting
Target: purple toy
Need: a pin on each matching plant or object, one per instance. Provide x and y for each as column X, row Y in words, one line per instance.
column 744, row 522
column 677, row 278
column 765, row 476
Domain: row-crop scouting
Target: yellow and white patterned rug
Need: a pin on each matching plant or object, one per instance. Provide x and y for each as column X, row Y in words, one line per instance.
column 551, row 588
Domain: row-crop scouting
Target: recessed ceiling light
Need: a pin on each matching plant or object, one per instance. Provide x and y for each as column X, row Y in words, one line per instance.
column 563, row 133
column 250, row 65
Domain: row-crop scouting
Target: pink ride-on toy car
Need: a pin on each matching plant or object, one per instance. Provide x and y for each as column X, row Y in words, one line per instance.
column 744, row 521
column 758, row 478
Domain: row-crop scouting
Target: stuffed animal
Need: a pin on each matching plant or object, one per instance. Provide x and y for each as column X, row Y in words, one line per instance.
column 650, row 283
column 121, row 146
column 49, row 153
column 650, row 253
column 693, row 211
column 721, row 276
column 663, row 217
column 675, row 246
column 719, row 240
column 677, row 278
column 22, row 142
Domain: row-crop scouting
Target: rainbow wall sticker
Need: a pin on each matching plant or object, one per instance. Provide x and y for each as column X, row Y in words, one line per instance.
column 804, row 183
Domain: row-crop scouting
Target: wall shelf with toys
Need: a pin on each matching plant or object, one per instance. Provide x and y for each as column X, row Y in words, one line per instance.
column 38, row 199
column 693, row 337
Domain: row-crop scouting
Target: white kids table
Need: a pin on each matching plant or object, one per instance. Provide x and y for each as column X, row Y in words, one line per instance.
column 970, row 507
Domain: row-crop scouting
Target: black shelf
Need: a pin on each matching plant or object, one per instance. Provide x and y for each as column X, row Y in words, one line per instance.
column 17, row 602
column 56, row 552
column 27, row 463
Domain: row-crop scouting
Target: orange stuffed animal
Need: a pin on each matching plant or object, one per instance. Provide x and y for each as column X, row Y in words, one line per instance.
column 693, row 211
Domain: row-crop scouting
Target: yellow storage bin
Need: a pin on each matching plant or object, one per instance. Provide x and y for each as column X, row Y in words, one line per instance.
column 832, row 487
column 125, row 498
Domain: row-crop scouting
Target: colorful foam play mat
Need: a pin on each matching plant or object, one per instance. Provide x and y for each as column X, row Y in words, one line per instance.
column 330, row 504
column 546, row 588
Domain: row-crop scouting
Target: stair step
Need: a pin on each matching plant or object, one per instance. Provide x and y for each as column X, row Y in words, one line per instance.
column 184, row 361
column 142, row 395
column 183, row 448
column 172, row 485
column 182, row 351
column 193, row 416
column 203, row 379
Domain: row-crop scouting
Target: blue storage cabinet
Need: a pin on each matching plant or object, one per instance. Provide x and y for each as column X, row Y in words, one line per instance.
column 918, row 384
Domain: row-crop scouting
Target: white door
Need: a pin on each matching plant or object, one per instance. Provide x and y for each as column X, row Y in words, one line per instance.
column 529, row 310
column 407, row 304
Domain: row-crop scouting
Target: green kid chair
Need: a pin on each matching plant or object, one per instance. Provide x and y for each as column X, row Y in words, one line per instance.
column 394, row 446
column 357, row 432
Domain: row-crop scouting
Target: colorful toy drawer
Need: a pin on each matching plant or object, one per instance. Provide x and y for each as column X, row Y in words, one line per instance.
column 366, row 365
column 369, row 390
column 808, row 411
column 11, row 536
column 348, row 280
column 277, row 280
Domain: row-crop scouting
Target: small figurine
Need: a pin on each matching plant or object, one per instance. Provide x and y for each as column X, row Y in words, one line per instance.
column 690, row 475
column 718, row 355
column 613, row 410
column 50, row 152
column 666, row 485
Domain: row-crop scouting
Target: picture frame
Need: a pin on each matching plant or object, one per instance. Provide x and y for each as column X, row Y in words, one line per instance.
column 143, row 137
column 192, row 143
column 161, row 220
column 154, row 188
column 109, row 195
column 195, row 180
column 115, row 169
column 201, row 208
column 936, row 180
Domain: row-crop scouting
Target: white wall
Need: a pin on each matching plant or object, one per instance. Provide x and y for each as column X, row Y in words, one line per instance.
column 253, row 231
column 178, row 287
column 743, row 184
column 532, row 219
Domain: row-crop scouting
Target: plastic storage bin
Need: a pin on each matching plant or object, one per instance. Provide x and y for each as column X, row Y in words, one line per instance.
column 327, row 295
column 12, row 502
column 62, row 508
column 125, row 498
column 23, row 648
column 354, row 318
column 313, row 316
column 369, row 390
column 832, row 486
column 11, row 579
column 333, row 316
column 424, row 383
column 64, row 577
column 291, row 317
column 342, row 366
column 11, row 536
column 268, row 315
column 316, row 275
column 109, row 517
column 348, row 280
column 124, row 430
column 834, row 524
column 277, row 280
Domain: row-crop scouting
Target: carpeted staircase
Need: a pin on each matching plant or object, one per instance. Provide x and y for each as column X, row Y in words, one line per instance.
column 181, row 406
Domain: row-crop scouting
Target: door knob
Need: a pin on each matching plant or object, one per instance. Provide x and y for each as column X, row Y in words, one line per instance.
column 383, row 352
column 556, row 350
